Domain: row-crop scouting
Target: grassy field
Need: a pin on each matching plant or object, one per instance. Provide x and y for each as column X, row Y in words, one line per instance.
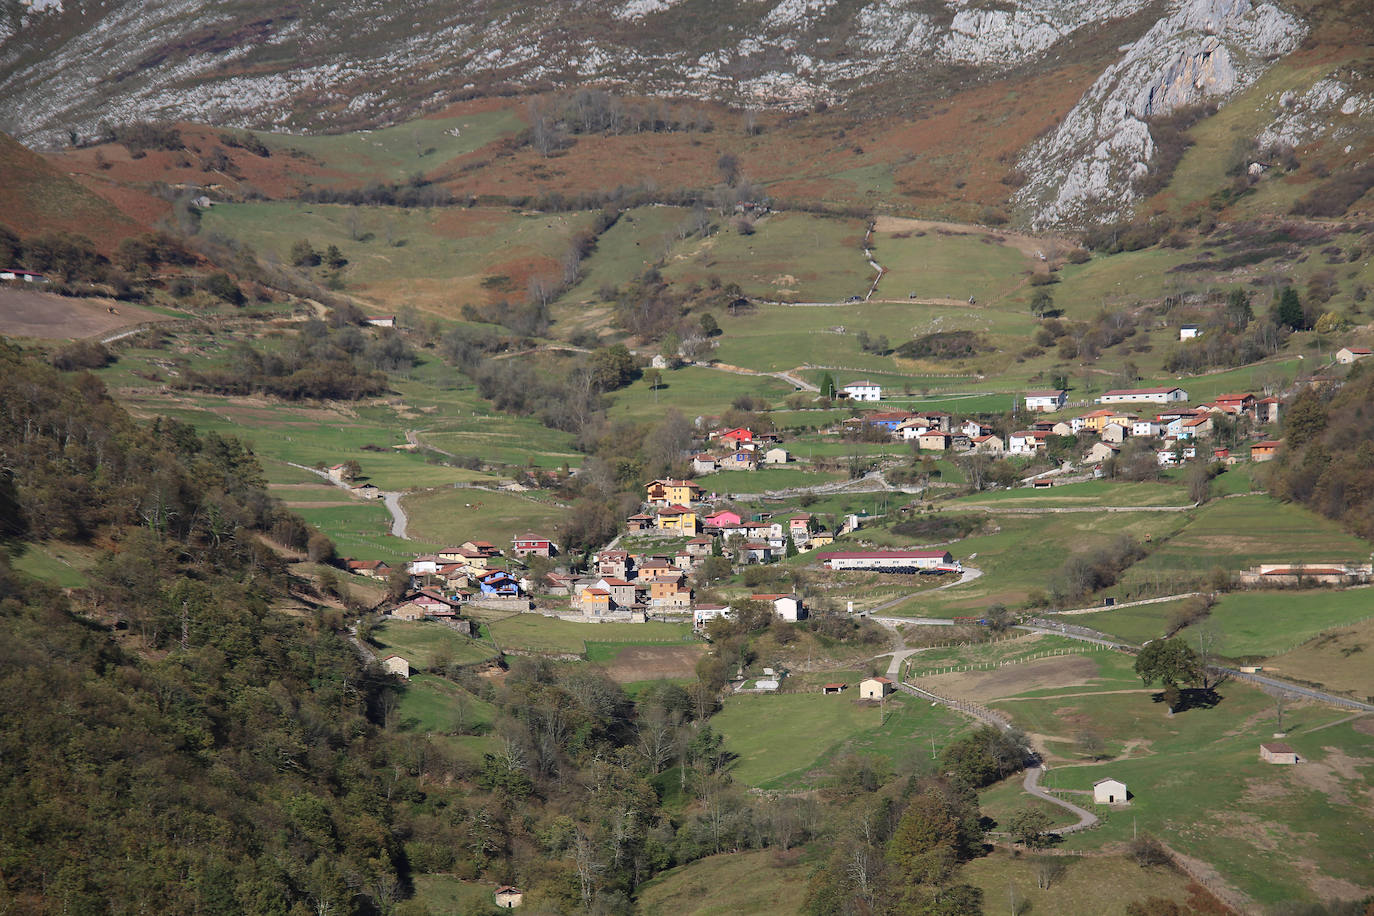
column 766, row 479
column 1025, row 551
column 446, row 894
column 789, row 256
column 395, row 153
column 362, row 531
column 1088, row 493
column 1238, row 533
column 421, row 641
column 549, row 634
column 936, row 266
column 1133, row 624
column 638, row 240
column 1270, row 623
column 63, row 565
column 452, row 516
column 775, row 753
column 731, row 884
column 695, row 391
column 1336, row 660
column 1197, row 780
column 1087, row 887
column 434, row 260
column 434, row 705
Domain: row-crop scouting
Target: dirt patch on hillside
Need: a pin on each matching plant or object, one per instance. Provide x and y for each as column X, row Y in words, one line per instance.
column 1364, row 725
column 29, row 313
column 981, row 686
column 647, row 663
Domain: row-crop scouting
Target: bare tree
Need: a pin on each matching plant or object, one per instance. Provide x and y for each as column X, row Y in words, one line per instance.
column 1048, row 869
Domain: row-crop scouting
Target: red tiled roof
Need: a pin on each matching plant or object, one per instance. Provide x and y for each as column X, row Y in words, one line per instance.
column 885, row 555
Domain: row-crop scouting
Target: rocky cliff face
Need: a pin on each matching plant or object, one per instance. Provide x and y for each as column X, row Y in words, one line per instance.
column 68, row 65
column 1203, row 50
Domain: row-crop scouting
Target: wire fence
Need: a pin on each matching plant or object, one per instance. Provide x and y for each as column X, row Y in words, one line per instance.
column 989, row 666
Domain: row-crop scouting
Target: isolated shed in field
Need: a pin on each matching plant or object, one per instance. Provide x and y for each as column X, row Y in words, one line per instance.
column 875, row 688
column 394, row 664
column 1278, row 752
column 1110, row 792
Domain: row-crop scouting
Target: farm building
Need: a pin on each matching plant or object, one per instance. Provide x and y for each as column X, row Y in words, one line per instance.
column 1347, row 355
column 508, row 898
column 889, row 560
column 1164, row 395
column 875, row 688
column 1110, row 792
column 394, row 664
column 1264, row 451
column 834, row 688
column 1278, row 752
column 382, row 321
column 776, row 455
column 1046, row 401
column 704, row 613
column 1187, row 332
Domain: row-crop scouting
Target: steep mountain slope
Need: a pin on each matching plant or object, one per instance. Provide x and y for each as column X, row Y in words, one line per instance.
column 67, row 67
column 35, row 197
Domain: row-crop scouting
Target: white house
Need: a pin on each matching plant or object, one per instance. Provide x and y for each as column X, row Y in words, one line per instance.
column 776, row 455
column 863, row 391
column 1146, row 428
column 425, row 566
column 1187, row 331
column 703, row 614
column 911, row 430
column 1110, row 792
column 1345, row 355
column 1143, row 396
column 875, row 688
column 508, row 898
column 394, row 664
column 1021, row 443
column 1046, row 401
column 788, row 607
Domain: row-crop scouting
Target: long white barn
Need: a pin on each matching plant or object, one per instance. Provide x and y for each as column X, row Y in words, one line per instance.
column 889, row 560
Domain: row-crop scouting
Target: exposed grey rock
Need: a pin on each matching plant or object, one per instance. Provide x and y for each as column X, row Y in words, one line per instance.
column 1204, row 50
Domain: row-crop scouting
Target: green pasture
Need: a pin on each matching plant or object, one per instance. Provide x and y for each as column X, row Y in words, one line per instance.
column 537, row 633
column 1086, row 494
column 396, row 153
column 766, row 479
column 1027, row 551
column 434, row 705
column 1203, row 787
column 779, row 743
column 421, row 641
column 790, row 256
column 1005, row 650
column 729, row 884
column 1132, row 624
column 694, row 391
column 640, row 239
column 313, row 435
column 63, row 565
column 362, row 532
column 1337, row 660
column 432, row 259
column 1087, row 887
column 452, row 516
column 1270, row 623
column 447, row 894
column 947, row 266
column 1238, row 533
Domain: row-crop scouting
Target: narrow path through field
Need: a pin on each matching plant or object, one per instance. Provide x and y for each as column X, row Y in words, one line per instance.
column 795, row 381
column 391, row 499
column 1085, row 817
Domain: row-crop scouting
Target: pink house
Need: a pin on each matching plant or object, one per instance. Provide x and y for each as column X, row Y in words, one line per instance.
column 721, row 519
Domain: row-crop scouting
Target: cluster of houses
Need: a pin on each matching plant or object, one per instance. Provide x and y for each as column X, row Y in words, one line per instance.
column 1177, row 427
column 740, row 449
column 674, row 507
column 442, row 582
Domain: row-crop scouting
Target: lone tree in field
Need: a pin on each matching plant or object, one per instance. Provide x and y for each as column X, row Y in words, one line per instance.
column 1172, row 663
column 1030, row 827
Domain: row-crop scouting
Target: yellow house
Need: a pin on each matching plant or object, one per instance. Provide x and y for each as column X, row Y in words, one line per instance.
column 1122, row 419
column 673, row 492
column 1097, row 419
column 820, row 539
column 677, row 518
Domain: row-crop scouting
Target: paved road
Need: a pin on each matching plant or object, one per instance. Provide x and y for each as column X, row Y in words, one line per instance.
column 390, row 499
column 1085, row 817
